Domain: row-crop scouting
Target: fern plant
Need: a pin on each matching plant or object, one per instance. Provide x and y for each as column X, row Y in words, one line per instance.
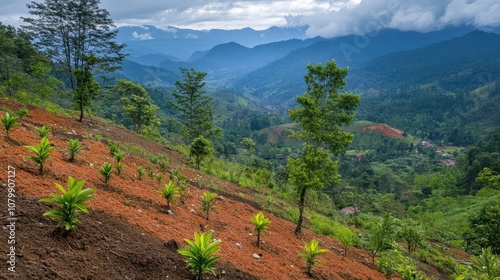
column 261, row 224
column 107, row 171
column 10, row 123
column 311, row 251
column 70, row 203
column 169, row 191
column 42, row 153
column 140, row 172
column 43, row 131
column 208, row 203
column 74, row 147
column 199, row 254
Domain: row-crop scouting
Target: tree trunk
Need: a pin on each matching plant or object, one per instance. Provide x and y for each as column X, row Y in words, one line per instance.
column 301, row 210
column 81, row 113
column 258, row 239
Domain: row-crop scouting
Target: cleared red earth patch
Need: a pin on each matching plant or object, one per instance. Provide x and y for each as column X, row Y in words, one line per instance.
column 128, row 233
column 385, row 130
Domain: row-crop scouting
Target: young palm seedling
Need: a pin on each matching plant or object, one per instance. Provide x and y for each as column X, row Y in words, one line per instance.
column 22, row 112
column 311, row 251
column 114, row 148
column 74, row 147
column 159, row 178
column 42, row 153
column 180, row 179
column 199, row 254
column 169, row 192
column 118, row 156
column 140, row 172
column 107, row 171
column 43, row 131
column 119, row 168
column 10, row 123
column 260, row 225
column 151, row 174
column 208, row 203
column 69, row 204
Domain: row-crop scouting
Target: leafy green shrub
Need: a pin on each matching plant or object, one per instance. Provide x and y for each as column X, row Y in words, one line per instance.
column 311, row 251
column 42, row 153
column 260, row 225
column 160, row 160
column 381, row 235
column 199, row 254
column 393, row 261
column 140, row 172
column 74, row 147
column 347, row 237
column 326, row 226
column 107, row 171
column 413, row 233
column 10, row 123
column 70, row 203
column 486, row 265
column 291, row 214
column 208, row 203
column 389, row 261
column 169, row 192
column 200, row 148
column 43, row 131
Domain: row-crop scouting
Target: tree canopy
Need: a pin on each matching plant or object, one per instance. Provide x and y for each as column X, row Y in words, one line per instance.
column 68, row 32
column 137, row 105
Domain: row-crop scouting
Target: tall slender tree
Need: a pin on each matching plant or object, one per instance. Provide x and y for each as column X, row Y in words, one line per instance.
column 194, row 105
column 86, row 87
column 322, row 112
column 70, row 31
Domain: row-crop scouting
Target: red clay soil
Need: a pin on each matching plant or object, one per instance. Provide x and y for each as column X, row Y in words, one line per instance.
column 385, row 130
column 128, row 233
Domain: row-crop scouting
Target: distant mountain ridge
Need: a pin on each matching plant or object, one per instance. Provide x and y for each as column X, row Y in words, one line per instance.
column 282, row 79
column 234, row 65
column 182, row 43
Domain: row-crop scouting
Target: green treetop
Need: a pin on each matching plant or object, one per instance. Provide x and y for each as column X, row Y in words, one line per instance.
column 194, row 105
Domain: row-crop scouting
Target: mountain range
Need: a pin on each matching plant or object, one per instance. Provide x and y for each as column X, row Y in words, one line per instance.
column 274, row 70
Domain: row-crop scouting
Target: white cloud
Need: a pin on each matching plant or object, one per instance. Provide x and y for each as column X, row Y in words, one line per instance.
column 424, row 15
column 143, row 36
column 325, row 17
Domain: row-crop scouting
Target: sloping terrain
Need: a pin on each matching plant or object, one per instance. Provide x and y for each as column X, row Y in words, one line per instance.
column 385, row 130
column 128, row 233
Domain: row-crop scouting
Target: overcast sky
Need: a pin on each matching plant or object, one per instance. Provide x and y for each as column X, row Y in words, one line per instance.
column 327, row 18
